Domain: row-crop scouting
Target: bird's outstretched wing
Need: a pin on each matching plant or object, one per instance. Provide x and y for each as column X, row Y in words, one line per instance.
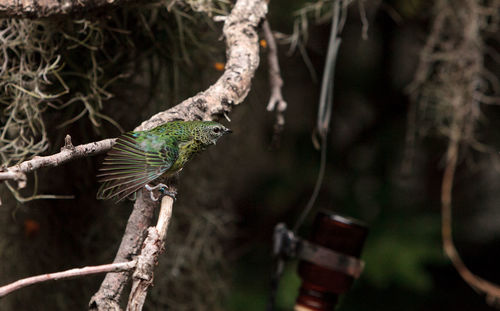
column 131, row 164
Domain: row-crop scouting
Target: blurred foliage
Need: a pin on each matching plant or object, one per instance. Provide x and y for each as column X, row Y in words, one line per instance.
column 367, row 176
column 399, row 249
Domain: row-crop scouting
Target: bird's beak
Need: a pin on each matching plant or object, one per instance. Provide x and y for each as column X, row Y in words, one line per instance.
column 227, row 131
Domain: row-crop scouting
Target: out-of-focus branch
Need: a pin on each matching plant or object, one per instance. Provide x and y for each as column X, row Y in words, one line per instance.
column 153, row 246
column 492, row 291
column 276, row 101
column 450, row 80
column 114, row 267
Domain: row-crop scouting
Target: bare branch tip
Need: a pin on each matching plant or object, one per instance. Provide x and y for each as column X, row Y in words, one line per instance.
column 219, row 18
column 68, row 144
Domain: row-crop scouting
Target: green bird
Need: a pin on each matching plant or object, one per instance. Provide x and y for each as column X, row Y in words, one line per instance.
column 138, row 158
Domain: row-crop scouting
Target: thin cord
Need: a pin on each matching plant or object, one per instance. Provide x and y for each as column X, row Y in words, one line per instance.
column 317, row 187
column 325, row 106
column 322, row 126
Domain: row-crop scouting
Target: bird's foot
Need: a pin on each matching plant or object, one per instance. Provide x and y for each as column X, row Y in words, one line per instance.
column 163, row 189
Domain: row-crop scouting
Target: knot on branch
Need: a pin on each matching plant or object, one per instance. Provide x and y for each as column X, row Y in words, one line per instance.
column 98, row 303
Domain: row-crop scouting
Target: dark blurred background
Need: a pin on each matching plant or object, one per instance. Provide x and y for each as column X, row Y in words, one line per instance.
column 237, row 191
column 369, row 175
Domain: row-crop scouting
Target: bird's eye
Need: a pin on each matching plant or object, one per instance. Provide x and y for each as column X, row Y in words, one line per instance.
column 217, row 130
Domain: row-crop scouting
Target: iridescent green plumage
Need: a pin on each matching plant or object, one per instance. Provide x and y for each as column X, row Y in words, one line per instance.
column 138, row 158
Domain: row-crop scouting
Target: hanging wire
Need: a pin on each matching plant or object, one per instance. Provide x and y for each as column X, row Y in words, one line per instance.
column 339, row 14
column 325, row 103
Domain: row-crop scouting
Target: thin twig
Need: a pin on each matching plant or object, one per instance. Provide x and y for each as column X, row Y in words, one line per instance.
column 68, row 152
column 364, row 19
column 77, row 272
column 276, row 101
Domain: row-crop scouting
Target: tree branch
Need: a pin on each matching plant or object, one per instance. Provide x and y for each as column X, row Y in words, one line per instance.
column 114, row 267
column 68, row 153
